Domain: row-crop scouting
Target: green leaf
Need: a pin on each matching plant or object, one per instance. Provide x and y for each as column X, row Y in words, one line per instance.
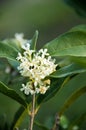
column 73, row 84
column 68, row 70
column 12, row 94
column 68, row 44
column 21, row 114
column 79, row 92
column 19, row 117
column 8, row 52
column 2, row 121
column 79, row 121
column 34, row 41
column 79, row 28
column 79, row 60
column 12, row 43
column 13, row 63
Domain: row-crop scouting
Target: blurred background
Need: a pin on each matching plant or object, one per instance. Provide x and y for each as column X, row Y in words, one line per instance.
column 51, row 18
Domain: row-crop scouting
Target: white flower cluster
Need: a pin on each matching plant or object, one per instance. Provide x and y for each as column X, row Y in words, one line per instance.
column 36, row 66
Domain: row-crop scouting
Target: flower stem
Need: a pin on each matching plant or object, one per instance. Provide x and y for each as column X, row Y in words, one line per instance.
column 57, row 122
column 32, row 113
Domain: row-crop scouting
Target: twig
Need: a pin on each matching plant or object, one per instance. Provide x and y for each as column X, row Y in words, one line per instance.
column 57, row 121
column 32, row 113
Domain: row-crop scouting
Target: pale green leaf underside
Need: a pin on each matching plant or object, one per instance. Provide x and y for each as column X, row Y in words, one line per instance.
column 79, row 51
column 69, row 44
column 8, row 52
column 81, row 27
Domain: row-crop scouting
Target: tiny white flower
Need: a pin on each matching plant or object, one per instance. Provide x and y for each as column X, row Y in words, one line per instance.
column 43, row 89
column 35, row 83
column 37, row 90
column 25, row 89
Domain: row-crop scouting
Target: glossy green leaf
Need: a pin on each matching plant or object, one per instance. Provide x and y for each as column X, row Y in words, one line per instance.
column 8, row 52
column 68, row 44
column 12, row 94
column 79, row 28
column 12, row 43
column 68, row 70
column 79, row 92
column 34, row 41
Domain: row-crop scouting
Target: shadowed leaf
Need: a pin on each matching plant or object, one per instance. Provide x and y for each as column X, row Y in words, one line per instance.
column 79, row 121
column 12, row 94
column 79, row 92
